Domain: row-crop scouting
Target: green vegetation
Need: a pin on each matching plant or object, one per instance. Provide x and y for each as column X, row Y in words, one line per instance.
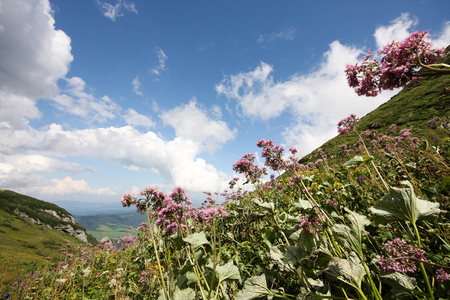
column 24, row 246
column 366, row 221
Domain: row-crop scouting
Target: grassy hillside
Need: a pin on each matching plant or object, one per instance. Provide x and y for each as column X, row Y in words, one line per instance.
column 24, row 245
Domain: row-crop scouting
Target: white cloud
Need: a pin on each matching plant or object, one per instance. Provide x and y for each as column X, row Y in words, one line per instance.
column 129, row 148
column 137, row 86
column 74, row 99
column 69, row 186
column 21, row 172
column 162, row 58
column 114, row 11
column 316, row 101
column 34, row 57
column 196, row 124
column 286, row 34
column 443, row 39
column 402, row 27
column 397, row 31
column 134, row 118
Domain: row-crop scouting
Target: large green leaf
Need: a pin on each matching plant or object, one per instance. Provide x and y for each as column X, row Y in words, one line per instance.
column 196, row 239
column 284, row 257
column 228, row 271
column 355, row 161
column 348, row 270
column 302, row 204
column 400, row 281
column 269, row 205
column 401, row 204
column 255, row 287
column 350, row 236
column 186, row 294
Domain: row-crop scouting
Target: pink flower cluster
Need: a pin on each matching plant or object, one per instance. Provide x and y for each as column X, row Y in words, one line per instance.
column 273, row 154
column 397, row 67
column 310, row 224
column 441, row 275
column 172, row 212
column 347, row 125
column 401, row 256
column 246, row 166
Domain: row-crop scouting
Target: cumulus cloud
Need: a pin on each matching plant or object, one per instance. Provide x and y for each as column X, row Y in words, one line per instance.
column 315, row 101
column 196, row 124
column 69, row 186
column 162, row 58
column 74, row 99
column 134, row 118
column 443, row 39
column 402, row 27
column 398, row 30
column 21, row 172
column 34, row 57
column 117, row 10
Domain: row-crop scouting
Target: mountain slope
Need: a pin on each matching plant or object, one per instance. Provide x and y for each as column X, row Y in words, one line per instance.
column 31, row 231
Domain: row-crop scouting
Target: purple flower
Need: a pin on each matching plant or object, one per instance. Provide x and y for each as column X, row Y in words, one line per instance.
column 347, row 125
column 441, row 275
column 401, row 256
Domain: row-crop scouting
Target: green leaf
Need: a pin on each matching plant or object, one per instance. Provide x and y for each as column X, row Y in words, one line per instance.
column 285, row 258
column 355, row 161
column 196, row 239
column 401, row 204
column 186, row 294
column 351, row 236
column 348, row 270
column 303, row 204
column 255, row 287
column 400, row 281
column 228, row 271
column 306, row 241
column 268, row 205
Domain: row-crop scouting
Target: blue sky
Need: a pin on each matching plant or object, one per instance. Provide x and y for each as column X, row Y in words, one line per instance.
column 100, row 98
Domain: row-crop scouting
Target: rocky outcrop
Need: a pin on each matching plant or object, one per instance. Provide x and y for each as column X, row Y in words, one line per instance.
column 67, row 228
column 80, row 234
column 69, row 219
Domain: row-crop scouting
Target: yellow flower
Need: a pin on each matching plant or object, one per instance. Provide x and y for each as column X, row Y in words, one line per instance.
column 243, row 244
column 337, row 185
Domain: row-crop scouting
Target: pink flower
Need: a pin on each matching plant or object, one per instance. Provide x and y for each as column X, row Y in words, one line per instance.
column 397, row 67
column 401, row 256
column 441, row 275
column 347, row 125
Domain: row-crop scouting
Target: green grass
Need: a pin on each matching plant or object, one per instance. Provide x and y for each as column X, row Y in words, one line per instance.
column 24, row 246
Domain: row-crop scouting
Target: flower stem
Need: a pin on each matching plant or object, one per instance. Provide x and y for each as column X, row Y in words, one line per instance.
column 161, row 275
column 422, row 267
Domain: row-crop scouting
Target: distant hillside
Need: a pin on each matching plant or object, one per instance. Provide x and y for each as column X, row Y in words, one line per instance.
column 32, row 230
column 111, row 225
column 412, row 108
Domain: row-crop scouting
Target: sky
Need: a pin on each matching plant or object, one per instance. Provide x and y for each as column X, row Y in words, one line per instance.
column 100, row 98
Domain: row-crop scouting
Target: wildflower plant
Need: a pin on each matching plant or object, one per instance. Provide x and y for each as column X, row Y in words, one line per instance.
column 373, row 226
